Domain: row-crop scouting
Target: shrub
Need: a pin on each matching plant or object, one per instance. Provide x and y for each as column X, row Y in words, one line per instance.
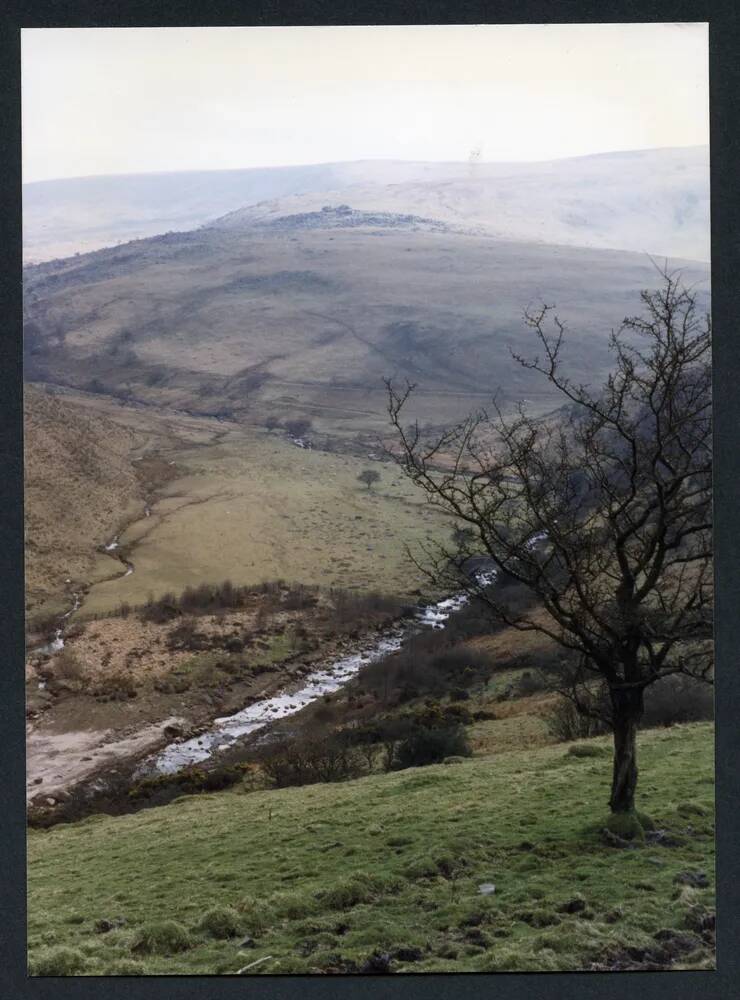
column 220, row 922
column 530, row 683
column 677, row 699
column 310, row 759
column 164, row 788
column 60, row 961
column 185, row 636
column 160, row 611
column 431, row 746
column 165, row 937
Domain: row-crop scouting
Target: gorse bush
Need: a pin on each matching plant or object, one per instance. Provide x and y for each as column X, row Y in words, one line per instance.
column 431, row 746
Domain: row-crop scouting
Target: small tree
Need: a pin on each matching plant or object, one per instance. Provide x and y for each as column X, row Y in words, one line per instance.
column 604, row 513
column 368, row 477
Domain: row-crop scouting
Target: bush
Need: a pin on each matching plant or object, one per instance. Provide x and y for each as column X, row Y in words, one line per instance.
column 165, row 937
column 310, row 759
column 530, row 683
column 61, row 961
column 677, row 699
column 164, row 788
column 186, row 636
column 431, row 746
column 220, row 922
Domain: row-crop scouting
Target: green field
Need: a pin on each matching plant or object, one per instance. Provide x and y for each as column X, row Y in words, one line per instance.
column 322, row 876
column 255, row 507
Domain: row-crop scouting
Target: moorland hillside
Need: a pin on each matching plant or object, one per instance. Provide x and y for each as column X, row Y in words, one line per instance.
column 645, row 200
column 308, row 312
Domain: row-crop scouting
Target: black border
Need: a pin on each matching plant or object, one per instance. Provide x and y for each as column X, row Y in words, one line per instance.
column 724, row 29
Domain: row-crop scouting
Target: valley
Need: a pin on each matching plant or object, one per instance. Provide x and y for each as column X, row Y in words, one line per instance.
column 260, row 732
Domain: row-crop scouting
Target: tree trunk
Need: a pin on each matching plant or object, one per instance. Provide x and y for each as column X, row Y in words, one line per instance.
column 627, row 708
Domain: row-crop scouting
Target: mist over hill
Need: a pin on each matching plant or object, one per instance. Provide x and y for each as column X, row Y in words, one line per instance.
column 309, row 312
column 654, row 201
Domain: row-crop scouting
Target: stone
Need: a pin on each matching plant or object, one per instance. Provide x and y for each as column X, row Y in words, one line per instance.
column 486, row 889
column 699, row 919
column 104, row 926
column 378, row 964
column 248, row 942
column 661, row 837
column 698, row 880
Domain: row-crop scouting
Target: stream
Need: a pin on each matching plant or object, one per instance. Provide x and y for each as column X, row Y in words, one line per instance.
column 325, row 680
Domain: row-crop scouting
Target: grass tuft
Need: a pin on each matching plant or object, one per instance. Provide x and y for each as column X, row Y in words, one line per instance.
column 220, row 922
column 60, row 961
column 164, row 937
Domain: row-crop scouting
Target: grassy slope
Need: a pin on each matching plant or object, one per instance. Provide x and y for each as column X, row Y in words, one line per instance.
column 255, row 508
column 259, row 323
column 79, row 485
column 372, row 855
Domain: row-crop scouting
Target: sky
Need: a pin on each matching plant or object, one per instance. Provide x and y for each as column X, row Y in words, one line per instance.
column 133, row 100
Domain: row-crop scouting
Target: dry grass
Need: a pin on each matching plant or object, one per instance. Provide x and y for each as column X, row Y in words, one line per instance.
column 79, row 485
column 255, row 507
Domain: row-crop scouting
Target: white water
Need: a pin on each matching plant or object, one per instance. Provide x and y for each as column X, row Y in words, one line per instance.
column 324, row 681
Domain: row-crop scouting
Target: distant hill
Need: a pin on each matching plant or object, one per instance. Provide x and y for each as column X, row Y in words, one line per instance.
column 654, row 201
column 272, row 313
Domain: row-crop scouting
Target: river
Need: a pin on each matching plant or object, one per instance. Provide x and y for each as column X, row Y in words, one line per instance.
column 325, row 680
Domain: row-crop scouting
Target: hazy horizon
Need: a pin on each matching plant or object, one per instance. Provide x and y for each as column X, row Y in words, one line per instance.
column 367, row 159
column 119, row 101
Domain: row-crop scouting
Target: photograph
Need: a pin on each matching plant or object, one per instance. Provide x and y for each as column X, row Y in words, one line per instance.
column 368, row 509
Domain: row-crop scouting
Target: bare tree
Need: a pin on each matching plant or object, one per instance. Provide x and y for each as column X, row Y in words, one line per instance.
column 368, row 477
column 602, row 510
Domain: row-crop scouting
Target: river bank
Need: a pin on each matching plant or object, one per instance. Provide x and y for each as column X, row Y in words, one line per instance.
column 84, row 747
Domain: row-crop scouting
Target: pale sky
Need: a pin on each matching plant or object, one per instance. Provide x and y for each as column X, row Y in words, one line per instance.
column 132, row 100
